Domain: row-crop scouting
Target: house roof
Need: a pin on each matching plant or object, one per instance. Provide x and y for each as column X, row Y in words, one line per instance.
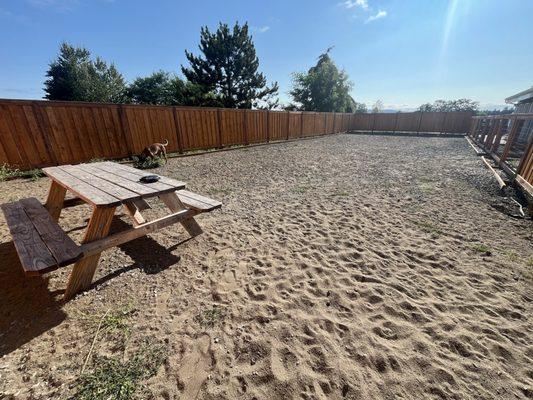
column 520, row 97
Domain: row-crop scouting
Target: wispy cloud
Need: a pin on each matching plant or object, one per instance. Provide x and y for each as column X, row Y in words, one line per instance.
column 19, row 91
column 6, row 14
column 355, row 3
column 380, row 14
column 58, row 5
column 260, row 29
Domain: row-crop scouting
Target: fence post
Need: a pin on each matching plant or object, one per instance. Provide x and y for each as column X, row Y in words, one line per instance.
column 510, row 139
column 177, row 128
column 268, row 125
column 443, row 128
column 288, row 123
column 334, row 120
column 473, row 124
column 396, row 122
column 498, row 138
column 301, row 123
column 419, row 122
column 245, row 127
column 219, row 126
column 373, row 122
column 526, row 156
column 492, row 132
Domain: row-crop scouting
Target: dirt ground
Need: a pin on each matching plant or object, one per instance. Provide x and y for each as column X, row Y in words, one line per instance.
column 342, row 267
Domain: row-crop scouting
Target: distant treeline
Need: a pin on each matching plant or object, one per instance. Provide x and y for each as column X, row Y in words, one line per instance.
column 224, row 74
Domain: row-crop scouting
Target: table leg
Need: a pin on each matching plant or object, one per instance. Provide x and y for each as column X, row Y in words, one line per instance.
column 134, row 213
column 54, row 202
column 83, row 271
column 173, row 202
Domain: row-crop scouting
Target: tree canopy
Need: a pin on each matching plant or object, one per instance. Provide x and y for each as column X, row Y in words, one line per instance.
column 323, row 88
column 160, row 88
column 451, row 105
column 227, row 70
column 377, row 107
column 75, row 76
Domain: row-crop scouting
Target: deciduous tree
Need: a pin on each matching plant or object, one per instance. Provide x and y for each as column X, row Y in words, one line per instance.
column 451, row 105
column 322, row 88
column 160, row 88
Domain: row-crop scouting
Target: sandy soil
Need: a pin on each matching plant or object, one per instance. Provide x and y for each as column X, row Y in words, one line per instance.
column 343, row 267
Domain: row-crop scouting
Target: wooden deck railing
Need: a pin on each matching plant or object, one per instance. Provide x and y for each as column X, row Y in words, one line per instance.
column 45, row 133
column 508, row 139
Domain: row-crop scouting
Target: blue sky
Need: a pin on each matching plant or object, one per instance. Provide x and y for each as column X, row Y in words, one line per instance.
column 404, row 52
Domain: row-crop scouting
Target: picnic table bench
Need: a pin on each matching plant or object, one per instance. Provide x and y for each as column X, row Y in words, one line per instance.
column 43, row 246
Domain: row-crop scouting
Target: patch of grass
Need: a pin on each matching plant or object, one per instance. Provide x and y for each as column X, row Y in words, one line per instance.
column 529, row 262
column 429, row 227
column 32, row 174
column 96, row 159
column 117, row 321
column 528, row 274
column 147, row 163
column 480, row 248
column 112, row 378
column 209, row 318
column 6, row 172
column 114, row 321
column 427, row 188
column 511, row 254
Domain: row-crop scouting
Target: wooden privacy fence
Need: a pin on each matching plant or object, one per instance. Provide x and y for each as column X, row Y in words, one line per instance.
column 508, row 139
column 42, row 133
column 456, row 122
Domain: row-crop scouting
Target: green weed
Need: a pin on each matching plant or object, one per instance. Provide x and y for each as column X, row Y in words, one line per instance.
column 511, row 254
column 147, row 163
column 113, row 321
column 32, row 174
column 429, row 227
column 6, row 172
column 209, row 318
column 112, row 378
column 480, row 248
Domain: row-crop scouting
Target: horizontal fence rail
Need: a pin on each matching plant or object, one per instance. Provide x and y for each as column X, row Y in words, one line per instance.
column 508, row 139
column 39, row 133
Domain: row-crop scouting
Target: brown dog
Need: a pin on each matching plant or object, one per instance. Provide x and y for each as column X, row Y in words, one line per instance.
column 156, row 149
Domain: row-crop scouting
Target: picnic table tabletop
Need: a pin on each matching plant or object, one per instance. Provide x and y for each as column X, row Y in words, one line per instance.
column 108, row 184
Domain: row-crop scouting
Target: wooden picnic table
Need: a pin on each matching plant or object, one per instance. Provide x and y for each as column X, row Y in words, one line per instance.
column 105, row 186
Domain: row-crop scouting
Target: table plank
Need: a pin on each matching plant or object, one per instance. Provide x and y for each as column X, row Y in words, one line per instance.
column 163, row 179
column 62, row 247
column 33, row 253
column 85, row 174
column 142, row 189
column 198, row 201
column 131, row 175
column 87, row 192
